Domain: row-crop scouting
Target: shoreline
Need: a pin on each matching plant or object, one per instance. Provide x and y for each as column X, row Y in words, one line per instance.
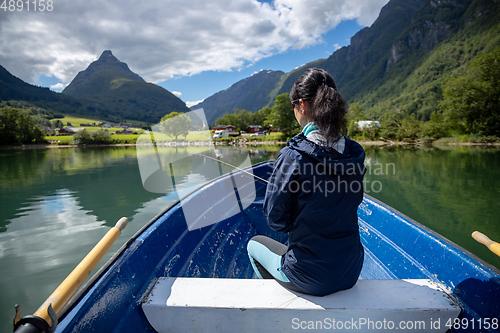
column 241, row 143
column 402, row 143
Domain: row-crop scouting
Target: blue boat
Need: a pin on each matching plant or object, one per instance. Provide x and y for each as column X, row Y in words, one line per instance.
column 397, row 250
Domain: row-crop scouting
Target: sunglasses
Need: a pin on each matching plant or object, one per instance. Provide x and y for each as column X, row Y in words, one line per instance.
column 295, row 101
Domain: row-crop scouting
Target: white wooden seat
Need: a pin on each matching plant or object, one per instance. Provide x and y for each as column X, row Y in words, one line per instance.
column 252, row 305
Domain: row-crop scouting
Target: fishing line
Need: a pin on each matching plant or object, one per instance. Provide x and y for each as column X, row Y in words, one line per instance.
column 249, row 220
column 235, row 167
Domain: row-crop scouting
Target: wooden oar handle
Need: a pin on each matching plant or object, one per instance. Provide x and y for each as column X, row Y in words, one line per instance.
column 122, row 223
column 482, row 238
column 74, row 280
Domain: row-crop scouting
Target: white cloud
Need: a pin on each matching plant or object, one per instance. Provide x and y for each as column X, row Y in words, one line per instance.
column 177, row 93
column 58, row 86
column 337, row 46
column 167, row 38
column 190, row 104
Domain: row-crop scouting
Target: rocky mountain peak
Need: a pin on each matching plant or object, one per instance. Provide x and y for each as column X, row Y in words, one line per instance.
column 100, row 76
column 107, row 56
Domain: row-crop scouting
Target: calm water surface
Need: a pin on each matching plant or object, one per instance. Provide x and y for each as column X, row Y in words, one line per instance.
column 56, row 204
column 452, row 190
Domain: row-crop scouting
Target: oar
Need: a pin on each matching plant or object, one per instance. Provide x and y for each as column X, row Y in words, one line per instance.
column 51, row 308
column 483, row 239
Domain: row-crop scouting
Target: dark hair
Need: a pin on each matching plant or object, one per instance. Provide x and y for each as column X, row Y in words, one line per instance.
column 328, row 108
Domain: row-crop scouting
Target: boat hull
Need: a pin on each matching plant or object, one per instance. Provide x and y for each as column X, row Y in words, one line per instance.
column 396, row 247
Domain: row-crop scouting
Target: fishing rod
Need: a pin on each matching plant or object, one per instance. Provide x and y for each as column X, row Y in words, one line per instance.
column 235, row 167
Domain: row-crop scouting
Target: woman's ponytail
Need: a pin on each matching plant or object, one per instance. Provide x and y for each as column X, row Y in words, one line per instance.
column 329, row 112
column 328, row 108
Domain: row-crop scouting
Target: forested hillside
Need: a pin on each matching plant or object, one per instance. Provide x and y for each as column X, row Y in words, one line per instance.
column 252, row 93
column 112, row 84
column 399, row 63
column 17, row 93
column 402, row 60
column 107, row 89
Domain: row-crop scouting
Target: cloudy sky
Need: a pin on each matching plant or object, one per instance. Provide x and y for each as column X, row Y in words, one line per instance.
column 191, row 47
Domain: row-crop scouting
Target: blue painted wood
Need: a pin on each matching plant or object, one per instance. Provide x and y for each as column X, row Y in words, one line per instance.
column 409, row 250
column 396, row 248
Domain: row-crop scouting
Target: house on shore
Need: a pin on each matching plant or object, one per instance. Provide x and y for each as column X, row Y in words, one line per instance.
column 125, row 131
column 366, row 124
column 69, row 130
column 109, row 125
column 229, row 128
column 254, row 129
column 48, row 130
column 274, row 129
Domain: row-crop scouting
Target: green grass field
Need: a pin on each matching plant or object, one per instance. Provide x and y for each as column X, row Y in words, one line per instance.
column 132, row 138
column 273, row 136
column 126, row 138
column 63, row 139
column 112, row 130
column 195, row 136
column 76, row 121
column 66, row 139
column 191, row 137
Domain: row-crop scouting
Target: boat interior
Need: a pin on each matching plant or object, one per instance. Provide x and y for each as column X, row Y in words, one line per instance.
column 205, row 236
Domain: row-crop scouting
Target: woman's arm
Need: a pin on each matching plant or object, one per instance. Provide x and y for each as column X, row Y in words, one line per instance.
column 278, row 203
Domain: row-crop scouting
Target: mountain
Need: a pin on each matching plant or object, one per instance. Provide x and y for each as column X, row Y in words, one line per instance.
column 405, row 70
column 112, row 84
column 252, row 94
column 442, row 39
column 101, row 76
column 14, row 91
column 401, row 61
column 106, row 90
column 360, row 65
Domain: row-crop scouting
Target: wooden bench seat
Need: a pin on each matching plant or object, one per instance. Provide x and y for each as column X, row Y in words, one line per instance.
column 252, row 305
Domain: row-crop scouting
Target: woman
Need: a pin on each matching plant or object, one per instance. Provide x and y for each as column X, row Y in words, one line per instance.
column 313, row 195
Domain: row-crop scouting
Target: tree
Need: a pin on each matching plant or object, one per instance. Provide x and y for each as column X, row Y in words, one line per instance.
column 474, row 98
column 228, row 119
column 101, row 136
column 410, row 128
column 84, row 137
column 260, row 116
column 242, row 118
column 355, row 114
column 175, row 124
column 57, row 124
column 18, row 127
column 282, row 116
column 396, row 125
column 437, row 127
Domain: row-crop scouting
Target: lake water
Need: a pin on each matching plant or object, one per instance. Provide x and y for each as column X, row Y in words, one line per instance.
column 56, row 204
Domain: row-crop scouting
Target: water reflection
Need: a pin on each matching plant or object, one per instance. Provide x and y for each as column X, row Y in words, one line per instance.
column 452, row 190
column 55, row 204
column 162, row 168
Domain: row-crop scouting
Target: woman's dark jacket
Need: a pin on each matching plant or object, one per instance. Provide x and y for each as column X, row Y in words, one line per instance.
column 313, row 194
